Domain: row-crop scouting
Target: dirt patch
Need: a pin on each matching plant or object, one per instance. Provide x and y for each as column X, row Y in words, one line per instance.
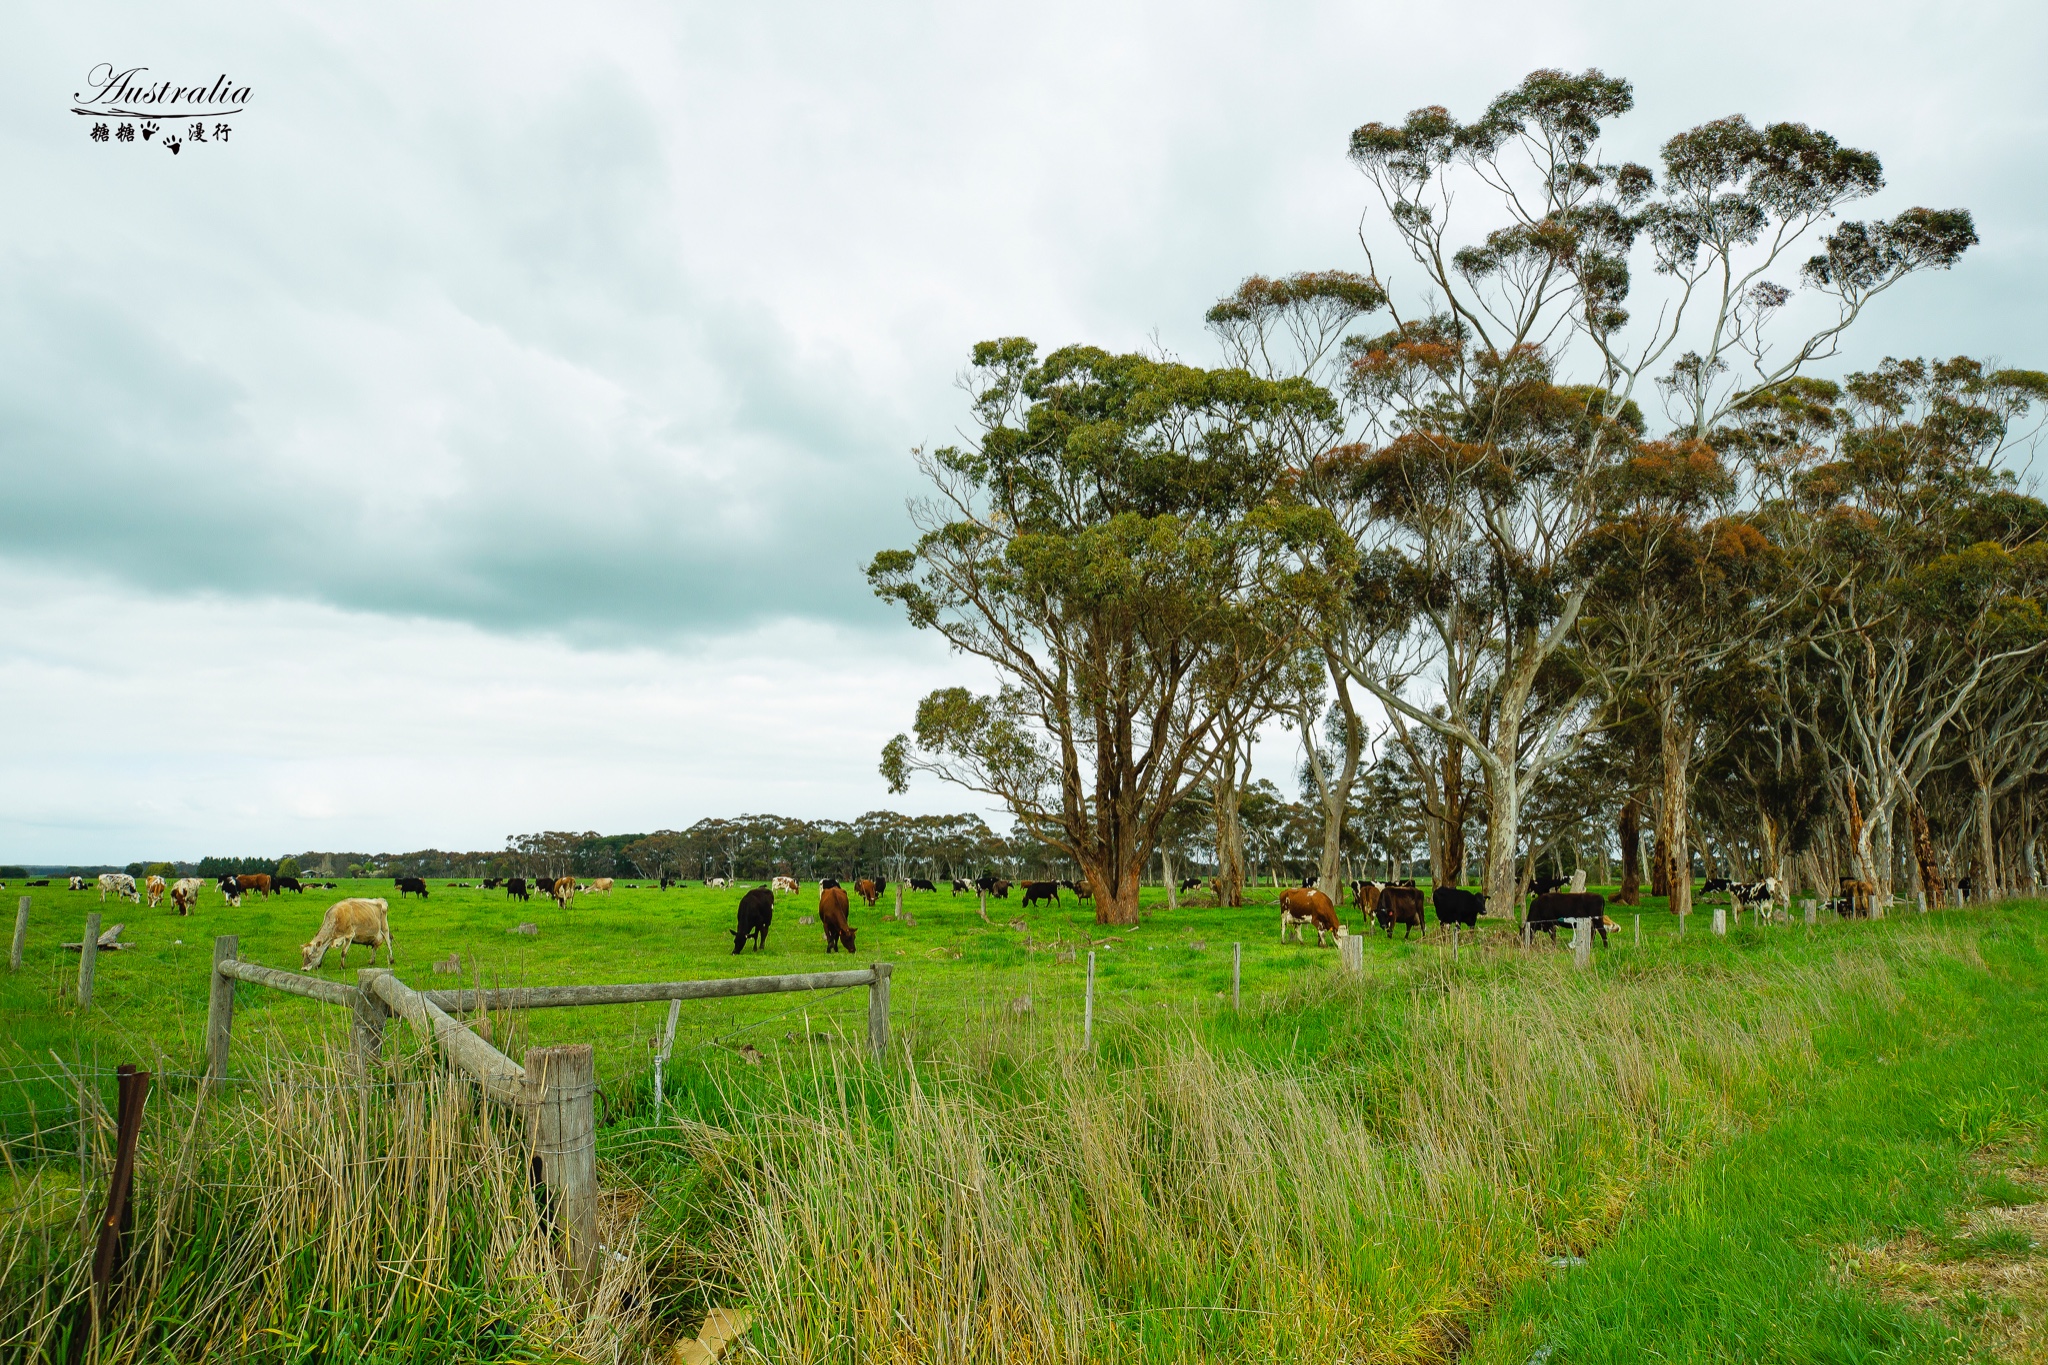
column 1990, row 1280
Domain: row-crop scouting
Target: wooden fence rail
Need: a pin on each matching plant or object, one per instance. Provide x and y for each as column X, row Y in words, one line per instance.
column 553, row 1088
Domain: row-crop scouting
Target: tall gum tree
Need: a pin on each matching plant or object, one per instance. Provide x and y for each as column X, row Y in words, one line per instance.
column 1493, row 414
column 1113, row 548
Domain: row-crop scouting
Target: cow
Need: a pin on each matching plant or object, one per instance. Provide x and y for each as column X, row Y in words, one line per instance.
column 783, row 884
column 564, row 888
column 356, row 920
column 185, row 893
column 231, row 890
column 1041, row 891
column 921, row 884
column 544, row 885
column 1713, row 884
column 959, row 886
column 715, row 883
column 41, row 881
column 986, row 881
column 254, row 881
column 1188, row 884
column 155, row 887
column 1365, row 896
column 829, row 881
column 411, row 886
column 832, row 914
column 868, row 891
column 1562, row 907
column 757, row 909
column 1543, row 886
column 1306, row 907
column 1455, row 905
column 283, row 884
column 78, row 883
column 121, row 884
column 1000, row 890
column 601, row 885
column 1401, row 905
column 1754, row 895
column 491, row 883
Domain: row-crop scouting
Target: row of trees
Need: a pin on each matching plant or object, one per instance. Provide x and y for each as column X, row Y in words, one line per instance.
column 1550, row 552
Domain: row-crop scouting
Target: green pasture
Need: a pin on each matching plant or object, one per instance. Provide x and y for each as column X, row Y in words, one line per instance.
column 1704, row 1148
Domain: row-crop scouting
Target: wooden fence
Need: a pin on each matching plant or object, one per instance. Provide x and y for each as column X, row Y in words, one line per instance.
column 553, row 1087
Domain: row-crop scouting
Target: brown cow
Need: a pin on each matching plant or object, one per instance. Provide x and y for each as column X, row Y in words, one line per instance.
column 356, row 920
column 1302, row 907
column 254, row 881
column 1366, row 896
column 832, row 914
column 155, row 888
column 1400, row 905
column 868, row 891
column 602, row 885
column 564, row 888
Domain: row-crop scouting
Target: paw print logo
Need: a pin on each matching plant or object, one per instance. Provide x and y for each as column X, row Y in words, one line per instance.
column 148, row 129
column 171, row 143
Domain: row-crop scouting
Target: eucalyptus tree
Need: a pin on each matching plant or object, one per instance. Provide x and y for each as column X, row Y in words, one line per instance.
column 1108, row 545
column 1494, row 414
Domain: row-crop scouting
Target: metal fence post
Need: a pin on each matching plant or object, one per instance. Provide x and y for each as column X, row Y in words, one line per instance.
column 564, row 1082
column 20, row 935
column 878, row 1013
column 88, row 959
column 220, row 1008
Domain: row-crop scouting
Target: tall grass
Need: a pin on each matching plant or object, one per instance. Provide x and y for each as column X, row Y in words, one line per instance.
column 1177, row 1200
column 303, row 1215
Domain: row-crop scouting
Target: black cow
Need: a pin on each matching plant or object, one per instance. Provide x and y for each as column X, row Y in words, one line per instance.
column 491, row 883
column 1041, row 891
column 411, row 886
column 1401, row 905
column 757, row 908
column 1455, row 905
column 515, row 889
column 959, row 886
column 544, row 885
column 1188, row 884
column 287, row 884
column 1714, row 884
column 829, row 881
column 1543, row 886
column 920, row 884
column 1547, row 912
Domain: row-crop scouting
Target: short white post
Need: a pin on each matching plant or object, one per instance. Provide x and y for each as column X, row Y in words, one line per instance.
column 1919, row 895
column 1582, row 943
column 1720, row 920
column 20, row 935
column 1810, row 907
column 1353, row 952
column 1088, row 1007
column 668, row 1039
column 1236, row 968
column 1639, row 931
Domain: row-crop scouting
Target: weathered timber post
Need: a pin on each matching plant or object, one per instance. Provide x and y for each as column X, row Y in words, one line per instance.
column 88, row 958
column 1720, row 920
column 878, row 1013
column 370, row 1014
column 668, row 1040
column 1236, row 972
column 20, row 935
column 1582, row 943
column 1919, row 895
column 1810, row 907
column 1639, row 931
column 562, row 1082
column 220, row 1008
column 1353, row 953
column 1088, row 1008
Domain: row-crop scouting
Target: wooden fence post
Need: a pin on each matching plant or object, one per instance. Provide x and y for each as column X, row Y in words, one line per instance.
column 1236, row 972
column 370, row 1014
column 668, row 1041
column 1720, row 920
column 1639, row 931
column 88, row 958
column 1353, row 946
column 878, row 1013
column 564, row 1082
column 1582, row 943
column 20, row 935
column 1810, row 907
column 220, row 1008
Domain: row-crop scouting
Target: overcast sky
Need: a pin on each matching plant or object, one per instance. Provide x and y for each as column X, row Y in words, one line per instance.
column 490, row 435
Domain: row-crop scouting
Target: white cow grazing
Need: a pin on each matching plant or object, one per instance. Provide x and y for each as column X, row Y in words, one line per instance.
column 783, row 884
column 185, row 893
column 603, row 884
column 78, row 883
column 364, row 920
column 716, row 883
column 121, row 884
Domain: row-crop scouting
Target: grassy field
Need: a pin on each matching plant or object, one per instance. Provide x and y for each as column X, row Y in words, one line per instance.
column 1784, row 1144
